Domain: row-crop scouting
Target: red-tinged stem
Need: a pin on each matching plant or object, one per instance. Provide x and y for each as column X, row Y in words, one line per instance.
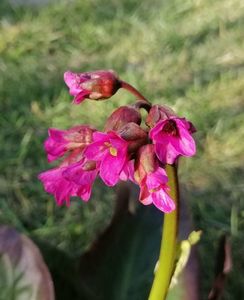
column 133, row 91
column 142, row 104
column 167, row 254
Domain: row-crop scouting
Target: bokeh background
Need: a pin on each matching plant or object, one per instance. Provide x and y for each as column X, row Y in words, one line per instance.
column 186, row 54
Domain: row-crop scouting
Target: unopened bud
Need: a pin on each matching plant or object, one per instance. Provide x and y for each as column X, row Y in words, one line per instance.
column 122, row 116
column 157, row 113
column 146, row 162
column 134, row 135
column 97, row 85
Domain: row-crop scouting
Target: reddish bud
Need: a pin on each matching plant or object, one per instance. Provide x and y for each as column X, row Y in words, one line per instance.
column 157, row 113
column 146, row 162
column 122, row 116
column 134, row 135
column 95, row 85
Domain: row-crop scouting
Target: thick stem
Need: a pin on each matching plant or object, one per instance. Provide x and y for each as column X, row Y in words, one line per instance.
column 166, row 261
column 133, row 91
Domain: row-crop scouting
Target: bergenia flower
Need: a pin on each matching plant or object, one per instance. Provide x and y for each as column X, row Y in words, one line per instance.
column 61, row 141
column 92, row 85
column 109, row 150
column 173, row 137
column 152, row 180
column 154, row 190
column 69, row 180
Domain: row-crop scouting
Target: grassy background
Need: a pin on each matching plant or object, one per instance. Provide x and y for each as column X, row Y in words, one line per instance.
column 187, row 54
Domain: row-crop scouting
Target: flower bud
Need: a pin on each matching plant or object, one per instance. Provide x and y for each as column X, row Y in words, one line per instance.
column 172, row 138
column 157, row 113
column 122, row 116
column 95, row 85
column 134, row 135
column 146, row 162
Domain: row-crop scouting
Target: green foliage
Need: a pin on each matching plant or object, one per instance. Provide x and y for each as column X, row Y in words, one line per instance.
column 124, row 257
column 11, row 286
column 23, row 273
column 188, row 54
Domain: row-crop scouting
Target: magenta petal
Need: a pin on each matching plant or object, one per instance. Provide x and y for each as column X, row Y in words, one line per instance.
column 84, row 192
column 157, row 129
column 163, row 201
column 95, row 151
column 76, row 174
column 51, row 158
column 55, row 184
column 73, row 82
column 128, row 171
column 117, row 142
column 57, row 134
column 145, row 197
column 186, row 142
column 156, row 179
column 100, row 137
column 80, row 97
column 69, row 78
column 54, row 150
column 170, row 145
column 110, row 169
column 55, row 144
column 166, row 153
column 63, row 192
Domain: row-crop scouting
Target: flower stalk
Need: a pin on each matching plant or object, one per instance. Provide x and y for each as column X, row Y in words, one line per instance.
column 166, row 263
column 134, row 91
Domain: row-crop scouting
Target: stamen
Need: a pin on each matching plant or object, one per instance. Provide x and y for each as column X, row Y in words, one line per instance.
column 113, row 151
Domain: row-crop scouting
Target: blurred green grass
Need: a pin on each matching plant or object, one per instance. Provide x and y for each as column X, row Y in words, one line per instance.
column 187, row 54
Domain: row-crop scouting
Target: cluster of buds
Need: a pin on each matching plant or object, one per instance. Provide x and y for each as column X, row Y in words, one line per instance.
column 123, row 151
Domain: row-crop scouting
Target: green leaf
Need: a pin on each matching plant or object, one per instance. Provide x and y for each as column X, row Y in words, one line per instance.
column 120, row 263
column 23, row 273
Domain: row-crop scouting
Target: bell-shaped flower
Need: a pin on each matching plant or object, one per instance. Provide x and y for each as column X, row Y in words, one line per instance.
column 109, row 150
column 152, row 180
column 61, row 141
column 154, row 190
column 97, row 85
column 173, row 137
column 68, row 180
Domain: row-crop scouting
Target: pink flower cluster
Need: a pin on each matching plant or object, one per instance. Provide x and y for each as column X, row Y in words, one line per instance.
column 124, row 151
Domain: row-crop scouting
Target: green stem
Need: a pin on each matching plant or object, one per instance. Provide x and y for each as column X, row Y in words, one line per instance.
column 166, row 262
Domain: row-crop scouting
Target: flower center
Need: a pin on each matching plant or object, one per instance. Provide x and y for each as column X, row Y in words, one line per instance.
column 170, row 128
column 113, row 151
